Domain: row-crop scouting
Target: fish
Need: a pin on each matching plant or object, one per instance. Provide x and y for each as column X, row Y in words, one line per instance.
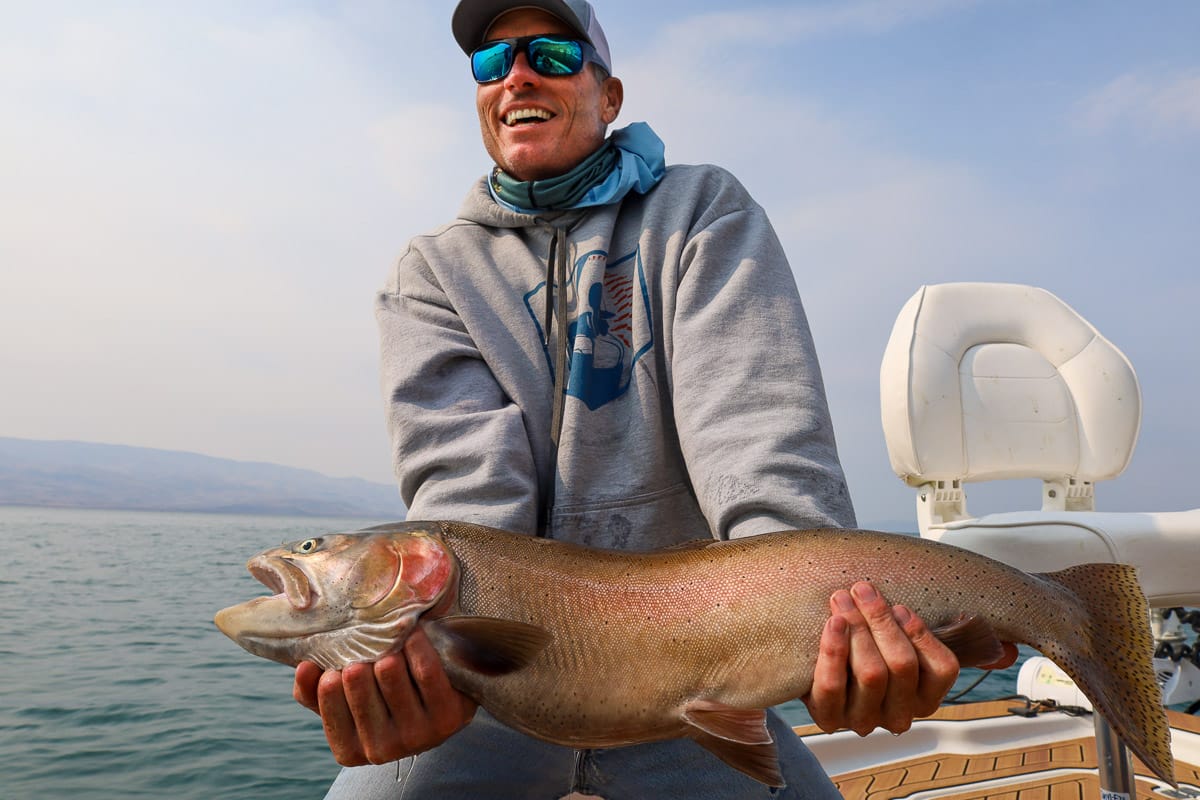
column 593, row 648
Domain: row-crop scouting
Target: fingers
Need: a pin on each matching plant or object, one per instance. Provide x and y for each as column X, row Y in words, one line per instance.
column 879, row 667
column 446, row 709
column 376, row 713
column 827, row 700
column 850, row 679
column 380, row 739
column 324, row 693
column 359, row 725
column 304, row 689
column 938, row 666
column 884, row 665
column 341, row 732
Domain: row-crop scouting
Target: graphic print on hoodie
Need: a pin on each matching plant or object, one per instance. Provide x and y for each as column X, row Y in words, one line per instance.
column 610, row 328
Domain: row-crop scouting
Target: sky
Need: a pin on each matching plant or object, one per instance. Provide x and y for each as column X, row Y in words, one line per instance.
column 198, row 200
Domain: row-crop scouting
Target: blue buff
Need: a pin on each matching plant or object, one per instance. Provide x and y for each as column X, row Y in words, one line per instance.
column 639, row 166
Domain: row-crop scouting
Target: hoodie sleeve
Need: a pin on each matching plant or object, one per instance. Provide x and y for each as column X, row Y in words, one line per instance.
column 753, row 421
column 459, row 446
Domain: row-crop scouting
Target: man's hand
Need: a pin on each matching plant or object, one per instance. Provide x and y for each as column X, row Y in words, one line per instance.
column 375, row 713
column 879, row 666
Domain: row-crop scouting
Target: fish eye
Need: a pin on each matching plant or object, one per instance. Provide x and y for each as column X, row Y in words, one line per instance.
column 308, row 546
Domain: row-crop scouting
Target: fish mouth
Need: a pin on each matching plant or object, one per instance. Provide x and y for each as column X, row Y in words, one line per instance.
column 284, row 578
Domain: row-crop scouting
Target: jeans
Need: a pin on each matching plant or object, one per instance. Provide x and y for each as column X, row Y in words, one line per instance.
column 490, row 760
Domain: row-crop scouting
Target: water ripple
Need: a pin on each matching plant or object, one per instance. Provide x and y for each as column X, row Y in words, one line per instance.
column 123, row 687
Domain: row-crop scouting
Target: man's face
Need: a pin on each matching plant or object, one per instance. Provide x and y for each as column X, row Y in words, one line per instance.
column 572, row 111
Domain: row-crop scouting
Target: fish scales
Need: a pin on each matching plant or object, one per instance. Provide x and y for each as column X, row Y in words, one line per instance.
column 751, row 623
column 677, row 607
column 646, row 646
column 716, row 622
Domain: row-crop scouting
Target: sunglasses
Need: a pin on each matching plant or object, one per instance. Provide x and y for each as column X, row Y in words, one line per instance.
column 547, row 55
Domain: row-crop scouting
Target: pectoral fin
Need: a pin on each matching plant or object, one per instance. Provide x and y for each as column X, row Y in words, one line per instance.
column 972, row 639
column 487, row 645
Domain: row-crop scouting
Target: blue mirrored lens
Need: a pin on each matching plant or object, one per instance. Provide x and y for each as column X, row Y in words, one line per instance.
column 555, row 56
column 547, row 55
column 492, row 62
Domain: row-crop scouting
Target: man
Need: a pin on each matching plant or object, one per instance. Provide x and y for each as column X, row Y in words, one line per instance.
column 603, row 350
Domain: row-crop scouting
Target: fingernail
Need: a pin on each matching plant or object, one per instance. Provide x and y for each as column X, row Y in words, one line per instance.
column 902, row 614
column 843, row 601
column 864, row 592
column 836, row 625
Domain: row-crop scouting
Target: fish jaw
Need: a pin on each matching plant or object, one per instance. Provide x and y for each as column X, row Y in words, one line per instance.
column 250, row 624
column 333, row 648
column 341, row 599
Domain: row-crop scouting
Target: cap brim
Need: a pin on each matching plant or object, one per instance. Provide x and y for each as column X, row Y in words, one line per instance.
column 472, row 18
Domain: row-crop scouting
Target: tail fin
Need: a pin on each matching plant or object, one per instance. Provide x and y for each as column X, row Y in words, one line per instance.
column 1110, row 659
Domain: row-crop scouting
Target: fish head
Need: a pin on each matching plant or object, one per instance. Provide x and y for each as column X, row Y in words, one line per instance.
column 342, row 598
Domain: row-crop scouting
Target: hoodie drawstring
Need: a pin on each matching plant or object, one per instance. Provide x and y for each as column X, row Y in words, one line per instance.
column 556, row 311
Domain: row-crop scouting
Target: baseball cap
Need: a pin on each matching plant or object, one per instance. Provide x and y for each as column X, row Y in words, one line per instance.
column 472, row 18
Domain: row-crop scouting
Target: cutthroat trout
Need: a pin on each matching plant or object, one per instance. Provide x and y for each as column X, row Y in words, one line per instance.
column 597, row 648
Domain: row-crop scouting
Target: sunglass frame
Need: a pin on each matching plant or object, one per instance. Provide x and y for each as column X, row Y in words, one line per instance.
column 525, row 44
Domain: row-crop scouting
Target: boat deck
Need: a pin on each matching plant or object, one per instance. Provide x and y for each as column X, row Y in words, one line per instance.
column 1062, row 768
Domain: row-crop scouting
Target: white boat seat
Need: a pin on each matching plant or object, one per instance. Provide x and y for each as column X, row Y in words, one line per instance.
column 990, row 381
column 1164, row 546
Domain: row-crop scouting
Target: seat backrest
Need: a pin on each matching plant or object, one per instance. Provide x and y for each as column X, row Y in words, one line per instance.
column 987, row 381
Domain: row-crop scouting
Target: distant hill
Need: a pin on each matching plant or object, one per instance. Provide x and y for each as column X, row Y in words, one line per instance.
column 106, row 476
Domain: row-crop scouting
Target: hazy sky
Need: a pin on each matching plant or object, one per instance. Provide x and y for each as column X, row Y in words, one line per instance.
column 199, row 199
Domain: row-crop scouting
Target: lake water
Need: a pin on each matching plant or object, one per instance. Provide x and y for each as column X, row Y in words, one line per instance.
column 115, row 683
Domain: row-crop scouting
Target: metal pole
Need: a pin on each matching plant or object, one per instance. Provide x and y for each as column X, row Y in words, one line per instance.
column 1115, row 762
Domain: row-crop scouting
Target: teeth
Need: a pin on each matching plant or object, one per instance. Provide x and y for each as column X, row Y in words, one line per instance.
column 525, row 113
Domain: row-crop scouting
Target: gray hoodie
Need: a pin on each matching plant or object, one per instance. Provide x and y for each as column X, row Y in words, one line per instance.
column 694, row 402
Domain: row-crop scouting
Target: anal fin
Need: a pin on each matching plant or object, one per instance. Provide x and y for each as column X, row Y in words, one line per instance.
column 972, row 639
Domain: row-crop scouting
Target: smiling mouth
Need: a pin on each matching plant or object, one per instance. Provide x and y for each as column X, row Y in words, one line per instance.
column 526, row 116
